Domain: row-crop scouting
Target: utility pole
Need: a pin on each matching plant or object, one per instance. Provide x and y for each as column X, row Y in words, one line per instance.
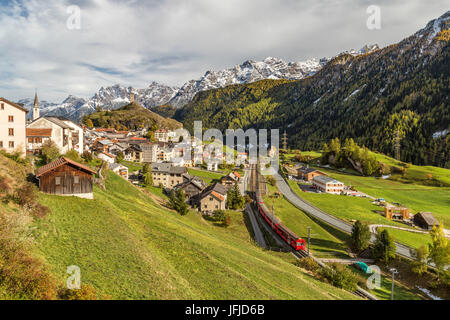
column 285, row 140
column 309, row 238
column 394, row 272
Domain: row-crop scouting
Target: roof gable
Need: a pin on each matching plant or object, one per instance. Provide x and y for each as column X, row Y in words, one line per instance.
column 60, row 162
column 14, row 104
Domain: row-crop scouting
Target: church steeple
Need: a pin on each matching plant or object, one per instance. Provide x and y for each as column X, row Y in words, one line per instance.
column 35, row 107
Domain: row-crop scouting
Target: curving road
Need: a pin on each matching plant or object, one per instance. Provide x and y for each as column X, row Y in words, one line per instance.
column 285, row 189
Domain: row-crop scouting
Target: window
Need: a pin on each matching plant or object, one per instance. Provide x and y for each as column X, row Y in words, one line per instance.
column 1, row 144
column 30, row 140
column 11, row 131
column 57, row 181
column 76, row 179
column 2, row 106
column 10, row 118
column 11, row 144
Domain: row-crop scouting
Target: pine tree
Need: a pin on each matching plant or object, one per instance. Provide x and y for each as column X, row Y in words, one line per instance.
column 360, row 237
column 384, row 249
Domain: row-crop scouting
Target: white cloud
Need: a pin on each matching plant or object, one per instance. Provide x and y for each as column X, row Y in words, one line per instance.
column 136, row 42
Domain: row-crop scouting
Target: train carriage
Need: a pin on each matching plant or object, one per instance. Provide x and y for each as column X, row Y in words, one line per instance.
column 287, row 235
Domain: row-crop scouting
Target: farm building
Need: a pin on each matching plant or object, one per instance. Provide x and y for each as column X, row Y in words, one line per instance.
column 66, row 177
column 396, row 213
column 308, row 174
column 425, row 220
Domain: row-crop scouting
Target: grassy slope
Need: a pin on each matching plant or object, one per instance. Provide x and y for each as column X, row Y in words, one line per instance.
column 416, row 197
column 128, row 247
column 323, row 243
column 344, row 207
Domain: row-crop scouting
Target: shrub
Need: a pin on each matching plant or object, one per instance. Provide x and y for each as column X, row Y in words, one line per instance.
column 340, row 276
column 87, row 156
column 73, row 155
column 86, row 292
column 227, row 221
column 219, row 215
column 271, row 180
column 5, row 185
column 21, row 273
column 308, row 264
column 40, row 211
column 26, row 195
column 49, row 151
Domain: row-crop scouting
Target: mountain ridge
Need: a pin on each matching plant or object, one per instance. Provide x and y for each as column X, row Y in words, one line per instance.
column 157, row 94
column 368, row 97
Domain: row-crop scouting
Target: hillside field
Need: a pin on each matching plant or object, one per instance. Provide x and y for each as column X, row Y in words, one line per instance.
column 130, row 248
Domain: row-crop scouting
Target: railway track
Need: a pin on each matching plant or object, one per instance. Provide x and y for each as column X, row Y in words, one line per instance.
column 254, row 187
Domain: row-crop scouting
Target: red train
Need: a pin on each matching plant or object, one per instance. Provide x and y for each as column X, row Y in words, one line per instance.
column 287, row 235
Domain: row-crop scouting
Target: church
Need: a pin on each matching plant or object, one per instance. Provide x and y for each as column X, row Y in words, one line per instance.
column 66, row 134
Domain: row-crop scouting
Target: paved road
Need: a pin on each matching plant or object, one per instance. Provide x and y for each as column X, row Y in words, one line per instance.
column 323, row 216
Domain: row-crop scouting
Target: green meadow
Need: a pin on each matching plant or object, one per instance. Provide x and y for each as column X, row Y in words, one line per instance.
column 128, row 247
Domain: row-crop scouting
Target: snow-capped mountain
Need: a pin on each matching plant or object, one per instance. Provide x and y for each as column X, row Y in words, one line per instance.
column 157, row 94
column 249, row 71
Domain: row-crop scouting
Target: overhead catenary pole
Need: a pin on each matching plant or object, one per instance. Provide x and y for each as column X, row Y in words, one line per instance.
column 285, row 140
column 309, row 238
column 394, row 271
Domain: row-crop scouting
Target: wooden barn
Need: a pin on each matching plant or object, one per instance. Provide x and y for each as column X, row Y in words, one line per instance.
column 66, row 177
column 426, row 220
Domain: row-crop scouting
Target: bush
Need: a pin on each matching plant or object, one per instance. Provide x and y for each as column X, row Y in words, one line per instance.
column 40, row 211
column 50, row 151
column 26, row 196
column 271, row 180
column 340, row 276
column 227, row 221
column 22, row 274
column 219, row 215
column 308, row 263
column 86, row 292
column 73, row 155
column 87, row 156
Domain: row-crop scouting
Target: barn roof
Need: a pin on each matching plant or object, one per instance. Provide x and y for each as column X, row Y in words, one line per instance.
column 60, row 162
column 428, row 218
column 35, row 132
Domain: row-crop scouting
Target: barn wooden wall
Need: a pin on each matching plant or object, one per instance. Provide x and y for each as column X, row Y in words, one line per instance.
column 47, row 182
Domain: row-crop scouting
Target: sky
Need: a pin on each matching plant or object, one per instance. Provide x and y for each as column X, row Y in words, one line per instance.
column 46, row 45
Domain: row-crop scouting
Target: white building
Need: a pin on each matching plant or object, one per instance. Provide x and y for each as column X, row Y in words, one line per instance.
column 61, row 133
column 12, row 126
column 120, row 169
column 105, row 156
column 327, row 185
